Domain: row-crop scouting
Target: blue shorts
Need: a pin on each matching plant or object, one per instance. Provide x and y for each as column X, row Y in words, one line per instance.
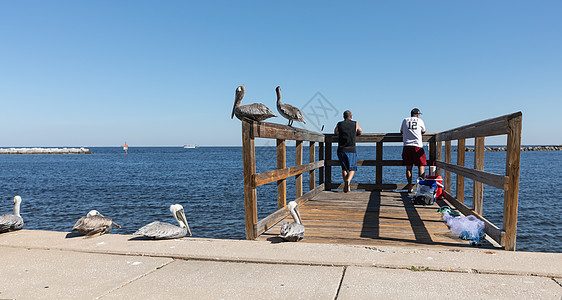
column 348, row 160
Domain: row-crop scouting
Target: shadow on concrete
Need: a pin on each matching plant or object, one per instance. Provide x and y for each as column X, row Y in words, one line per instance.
column 73, row 234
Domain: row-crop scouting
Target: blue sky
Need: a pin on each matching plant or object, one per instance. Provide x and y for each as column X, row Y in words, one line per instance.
column 163, row 73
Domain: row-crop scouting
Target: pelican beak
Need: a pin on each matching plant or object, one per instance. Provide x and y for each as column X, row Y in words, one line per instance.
column 238, row 98
column 181, row 216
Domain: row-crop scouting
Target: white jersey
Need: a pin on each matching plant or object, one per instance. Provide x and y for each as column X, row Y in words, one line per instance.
column 412, row 129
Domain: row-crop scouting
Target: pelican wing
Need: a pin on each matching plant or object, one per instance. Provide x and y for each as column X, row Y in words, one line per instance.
column 9, row 222
column 290, row 112
column 255, row 111
column 292, row 232
column 161, row 230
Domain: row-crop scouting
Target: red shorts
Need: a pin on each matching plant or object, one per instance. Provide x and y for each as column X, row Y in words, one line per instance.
column 412, row 155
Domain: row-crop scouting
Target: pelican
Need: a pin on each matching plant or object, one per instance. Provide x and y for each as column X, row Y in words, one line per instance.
column 94, row 224
column 288, row 111
column 293, row 232
column 255, row 111
column 158, row 230
column 9, row 222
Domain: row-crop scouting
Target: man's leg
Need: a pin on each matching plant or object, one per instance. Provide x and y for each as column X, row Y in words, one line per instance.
column 344, row 175
column 348, row 180
column 421, row 172
column 409, row 178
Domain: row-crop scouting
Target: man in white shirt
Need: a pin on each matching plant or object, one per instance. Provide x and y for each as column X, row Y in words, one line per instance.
column 412, row 153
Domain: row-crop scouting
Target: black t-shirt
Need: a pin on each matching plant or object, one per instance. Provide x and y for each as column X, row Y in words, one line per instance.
column 347, row 131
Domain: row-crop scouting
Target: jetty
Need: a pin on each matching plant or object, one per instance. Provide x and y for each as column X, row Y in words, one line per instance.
column 37, row 150
column 524, row 148
column 381, row 213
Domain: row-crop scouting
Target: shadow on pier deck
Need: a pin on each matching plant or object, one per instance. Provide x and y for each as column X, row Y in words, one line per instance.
column 371, row 218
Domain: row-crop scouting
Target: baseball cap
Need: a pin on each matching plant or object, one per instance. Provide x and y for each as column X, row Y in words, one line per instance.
column 415, row 111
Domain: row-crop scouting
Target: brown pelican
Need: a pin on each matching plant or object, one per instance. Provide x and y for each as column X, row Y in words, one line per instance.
column 293, row 232
column 288, row 111
column 158, row 230
column 9, row 222
column 255, row 111
column 94, row 224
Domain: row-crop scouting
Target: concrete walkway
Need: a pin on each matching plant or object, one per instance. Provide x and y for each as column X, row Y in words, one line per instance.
column 58, row 265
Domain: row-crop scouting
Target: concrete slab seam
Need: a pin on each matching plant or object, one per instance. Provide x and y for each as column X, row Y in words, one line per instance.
column 341, row 282
column 559, row 282
column 136, row 278
column 467, row 271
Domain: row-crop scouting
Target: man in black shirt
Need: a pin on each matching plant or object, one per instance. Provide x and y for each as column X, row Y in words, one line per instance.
column 346, row 131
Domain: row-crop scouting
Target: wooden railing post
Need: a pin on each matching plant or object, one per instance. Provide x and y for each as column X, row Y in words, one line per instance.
column 461, row 148
column 328, row 156
column 478, row 190
column 379, row 161
column 432, row 154
column 321, row 158
column 511, row 194
column 298, row 161
column 281, row 164
column 311, row 158
column 439, row 157
column 250, row 193
column 447, row 178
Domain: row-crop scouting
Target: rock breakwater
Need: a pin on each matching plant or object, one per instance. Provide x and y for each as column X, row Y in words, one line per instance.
column 525, row 148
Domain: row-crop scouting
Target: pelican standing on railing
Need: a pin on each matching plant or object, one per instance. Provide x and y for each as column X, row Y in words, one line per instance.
column 293, row 232
column 9, row 222
column 288, row 111
column 94, row 224
column 159, row 230
column 255, row 111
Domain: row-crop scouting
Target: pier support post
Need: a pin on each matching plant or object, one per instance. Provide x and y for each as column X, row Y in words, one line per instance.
column 298, row 161
column 461, row 148
column 281, row 164
column 379, row 155
column 439, row 157
column 478, row 189
column 328, row 155
column 250, row 193
column 321, row 158
column 447, row 178
column 311, row 159
column 511, row 194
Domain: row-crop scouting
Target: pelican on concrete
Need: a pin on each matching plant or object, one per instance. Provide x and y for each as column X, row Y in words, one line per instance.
column 288, row 111
column 12, row 222
column 159, row 230
column 94, row 224
column 293, row 232
column 255, row 111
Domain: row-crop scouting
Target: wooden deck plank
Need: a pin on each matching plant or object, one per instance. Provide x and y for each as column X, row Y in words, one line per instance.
column 371, row 218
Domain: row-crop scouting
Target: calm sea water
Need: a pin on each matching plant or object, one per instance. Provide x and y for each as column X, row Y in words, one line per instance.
column 138, row 188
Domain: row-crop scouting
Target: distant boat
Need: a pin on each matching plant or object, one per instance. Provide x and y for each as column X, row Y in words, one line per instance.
column 125, row 147
column 187, row 146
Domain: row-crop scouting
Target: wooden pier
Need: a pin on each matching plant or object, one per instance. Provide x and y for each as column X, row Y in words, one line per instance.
column 371, row 218
column 378, row 213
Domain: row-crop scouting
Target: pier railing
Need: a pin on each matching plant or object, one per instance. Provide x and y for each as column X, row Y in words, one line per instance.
column 509, row 125
column 252, row 180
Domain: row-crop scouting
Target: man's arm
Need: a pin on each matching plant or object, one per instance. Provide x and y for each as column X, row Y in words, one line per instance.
column 358, row 128
column 336, row 130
